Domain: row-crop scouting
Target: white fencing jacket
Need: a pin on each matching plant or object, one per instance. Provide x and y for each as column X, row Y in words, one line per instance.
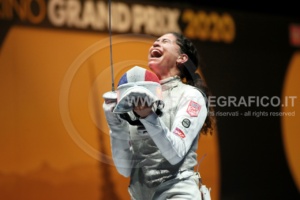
column 162, row 146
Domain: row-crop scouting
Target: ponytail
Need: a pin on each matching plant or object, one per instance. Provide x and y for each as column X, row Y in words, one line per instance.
column 189, row 75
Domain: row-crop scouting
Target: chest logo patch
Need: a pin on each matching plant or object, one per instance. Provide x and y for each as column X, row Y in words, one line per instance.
column 193, row 109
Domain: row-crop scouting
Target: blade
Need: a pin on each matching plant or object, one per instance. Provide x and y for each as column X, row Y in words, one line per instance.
column 110, row 47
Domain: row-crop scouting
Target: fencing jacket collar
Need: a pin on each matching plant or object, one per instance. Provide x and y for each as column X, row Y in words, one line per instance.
column 170, row 82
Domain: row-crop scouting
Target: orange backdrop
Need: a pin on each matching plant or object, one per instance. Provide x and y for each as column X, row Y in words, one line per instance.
column 54, row 141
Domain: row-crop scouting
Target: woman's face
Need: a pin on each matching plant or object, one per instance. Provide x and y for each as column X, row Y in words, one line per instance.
column 163, row 55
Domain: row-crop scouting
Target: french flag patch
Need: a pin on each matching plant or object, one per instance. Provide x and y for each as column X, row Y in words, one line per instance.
column 193, row 109
column 138, row 74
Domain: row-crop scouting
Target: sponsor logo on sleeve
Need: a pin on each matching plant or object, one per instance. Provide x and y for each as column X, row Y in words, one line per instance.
column 179, row 132
column 193, row 109
column 186, row 123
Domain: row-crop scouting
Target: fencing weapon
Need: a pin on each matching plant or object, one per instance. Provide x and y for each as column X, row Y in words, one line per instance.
column 111, row 96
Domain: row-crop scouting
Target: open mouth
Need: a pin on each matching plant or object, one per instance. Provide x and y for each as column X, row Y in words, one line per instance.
column 155, row 53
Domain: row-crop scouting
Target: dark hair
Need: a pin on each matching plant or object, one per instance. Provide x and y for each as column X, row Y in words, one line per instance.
column 189, row 75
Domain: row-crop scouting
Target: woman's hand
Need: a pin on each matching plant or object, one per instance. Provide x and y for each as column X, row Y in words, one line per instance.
column 143, row 110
